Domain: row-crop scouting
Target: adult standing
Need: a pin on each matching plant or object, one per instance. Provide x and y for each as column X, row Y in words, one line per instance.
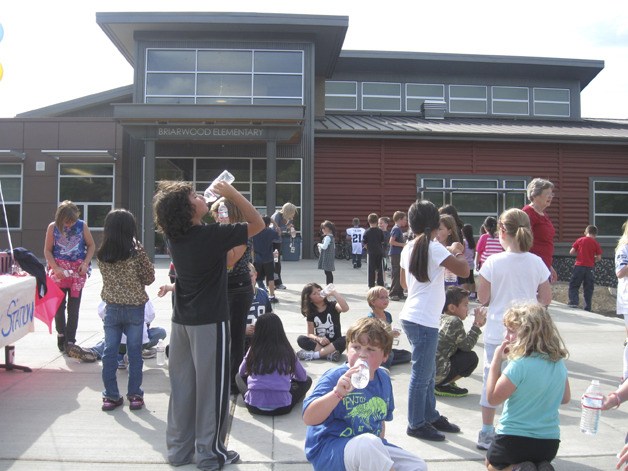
column 397, row 243
column 282, row 223
column 540, row 194
column 239, row 286
column 68, row 248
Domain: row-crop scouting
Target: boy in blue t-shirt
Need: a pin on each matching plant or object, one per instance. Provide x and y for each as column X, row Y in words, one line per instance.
column 346, row 425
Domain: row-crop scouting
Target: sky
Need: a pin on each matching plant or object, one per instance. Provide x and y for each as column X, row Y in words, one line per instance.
column 53, row 51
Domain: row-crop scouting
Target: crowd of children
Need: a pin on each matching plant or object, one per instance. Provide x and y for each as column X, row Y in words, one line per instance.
column 432, row 271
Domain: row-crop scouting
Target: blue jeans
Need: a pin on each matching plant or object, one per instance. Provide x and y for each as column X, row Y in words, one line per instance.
column 581, row 275
column 119, row 319
column 421, row 399
column 155, row 334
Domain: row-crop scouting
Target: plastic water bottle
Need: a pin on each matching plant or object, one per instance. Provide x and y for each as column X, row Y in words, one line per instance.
column 209, row 194
column 161, row 353
column 276, row 255
column 223, row 212
column 326, row 291
column 361, row 378
column 591, row 408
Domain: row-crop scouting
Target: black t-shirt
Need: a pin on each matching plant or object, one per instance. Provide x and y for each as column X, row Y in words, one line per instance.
column 326, row 323
column 200, row 260
column 374, row 240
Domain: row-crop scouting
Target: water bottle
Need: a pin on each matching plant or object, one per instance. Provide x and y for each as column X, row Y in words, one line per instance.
column 361, row 378
column 591, row 408
column 209, row 194
column 326, row 291
column 276, row 256
column 223, row 212
column 161, row 353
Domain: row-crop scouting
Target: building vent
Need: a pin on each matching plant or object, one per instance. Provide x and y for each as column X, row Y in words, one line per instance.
column 433, row 109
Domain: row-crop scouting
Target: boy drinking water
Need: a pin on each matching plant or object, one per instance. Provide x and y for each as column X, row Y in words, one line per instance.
column 455, row 357
column 348, row 424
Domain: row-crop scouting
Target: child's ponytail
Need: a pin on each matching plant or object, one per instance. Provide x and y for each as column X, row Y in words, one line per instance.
column 516, row 224
column 423, row 218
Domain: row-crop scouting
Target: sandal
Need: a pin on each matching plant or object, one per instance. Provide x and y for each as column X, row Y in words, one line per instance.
column 135, row 402
column 80, row 353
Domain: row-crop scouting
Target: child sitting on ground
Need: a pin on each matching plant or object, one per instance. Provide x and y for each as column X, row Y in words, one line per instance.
column 260, row 305
column 378, row 300
column 324, row 337
column 455, row 357
column 271, row 379
column 533, row 385
column 346, row 425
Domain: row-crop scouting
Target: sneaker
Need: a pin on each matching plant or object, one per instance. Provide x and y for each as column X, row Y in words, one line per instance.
column 281, row 287
column 395, row 298
column 80, row 353
column 525, row 466
column 273, row 299
column 122, row 364
column 305, row 355
column 444, row 425
column 573, row 305
column 485, row 439
column 334, row 356
column 149, row 353
column 232, row 457
column 110, row 404
column 545, row 466
column 450, row 390
column 426, row 432
column 135, row 402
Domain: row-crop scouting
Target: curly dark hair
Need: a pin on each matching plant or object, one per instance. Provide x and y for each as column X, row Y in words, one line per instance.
column 172, row 209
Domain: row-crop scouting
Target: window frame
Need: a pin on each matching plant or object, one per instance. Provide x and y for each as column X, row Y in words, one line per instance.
column 85, row 204
column 423, row 97
column 464, row 99
column 535, row 102
column 363, row 96
column 342, row 95
column 12, row 202
column 502, row 100
column 592, row 198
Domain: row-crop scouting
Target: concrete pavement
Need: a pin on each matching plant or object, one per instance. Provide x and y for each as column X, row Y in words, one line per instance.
column 50, row 419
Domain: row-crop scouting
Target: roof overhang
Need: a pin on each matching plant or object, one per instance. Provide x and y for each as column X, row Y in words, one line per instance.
column 581, row 70
column 326, row 32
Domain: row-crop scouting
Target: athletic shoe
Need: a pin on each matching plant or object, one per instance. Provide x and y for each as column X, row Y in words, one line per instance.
column 305, row 355
column 135, row 402
column 281, row 287
column 485, row 439
column 525, row 466
column 444, row 425
column 82, row 354
column 273, row 299
column 333, row 356
column 122, row 364
column 573, row 305
column 545, row 466
column 426, row 432
column 111, row 404
column 450, row 390
column 232, row 457
column 149, row 353
column 395, row 298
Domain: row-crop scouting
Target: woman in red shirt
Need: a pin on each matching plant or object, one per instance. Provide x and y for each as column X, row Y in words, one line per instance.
column 540, row 194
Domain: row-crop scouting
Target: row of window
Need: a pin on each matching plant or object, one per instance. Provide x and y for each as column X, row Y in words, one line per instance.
column 223, row 76
column 478, row 197
column 460, row 99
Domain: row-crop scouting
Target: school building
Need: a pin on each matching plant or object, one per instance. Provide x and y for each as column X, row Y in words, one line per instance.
column 276, row 100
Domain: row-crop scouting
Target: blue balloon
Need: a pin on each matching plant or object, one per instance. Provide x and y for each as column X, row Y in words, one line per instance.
column 1, row 32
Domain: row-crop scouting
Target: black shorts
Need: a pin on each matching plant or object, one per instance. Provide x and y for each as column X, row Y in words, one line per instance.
column 461, row 364
column 468, row 280
column 511, row 449
column 265, row 271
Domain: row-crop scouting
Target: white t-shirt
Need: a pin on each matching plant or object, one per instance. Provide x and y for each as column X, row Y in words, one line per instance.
column 621, row 259
column 425, row 301
column 356, row 234
column 515, row 279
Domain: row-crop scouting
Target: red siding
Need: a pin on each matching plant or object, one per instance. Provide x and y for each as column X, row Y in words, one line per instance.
column 354, row 177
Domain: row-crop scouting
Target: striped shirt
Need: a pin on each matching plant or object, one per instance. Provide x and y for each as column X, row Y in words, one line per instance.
column 487, row 246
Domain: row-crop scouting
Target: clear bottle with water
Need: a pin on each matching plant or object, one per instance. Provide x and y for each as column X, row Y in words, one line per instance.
column 361, row 378
column 326, row 291
column 161, row 353
column 223, row 212
column 591, row 408
column 209, row 194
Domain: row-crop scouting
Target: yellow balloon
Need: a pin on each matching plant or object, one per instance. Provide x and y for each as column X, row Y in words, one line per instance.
column 1, row 71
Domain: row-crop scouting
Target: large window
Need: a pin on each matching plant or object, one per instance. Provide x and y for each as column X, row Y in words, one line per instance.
column 610, row 206
column 417, row 93
column 90, row 187
column 341, row 96
column 476, row 197
column 11, row 185
column 224, row 76
column 551, row 102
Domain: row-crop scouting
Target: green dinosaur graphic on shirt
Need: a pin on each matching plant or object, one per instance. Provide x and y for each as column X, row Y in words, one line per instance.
column 364, row 415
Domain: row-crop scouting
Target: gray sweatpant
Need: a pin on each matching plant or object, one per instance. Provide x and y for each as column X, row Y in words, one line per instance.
column 198, row 413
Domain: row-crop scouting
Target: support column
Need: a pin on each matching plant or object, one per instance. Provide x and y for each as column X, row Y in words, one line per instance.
column 271, row 176
column 148, row 227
